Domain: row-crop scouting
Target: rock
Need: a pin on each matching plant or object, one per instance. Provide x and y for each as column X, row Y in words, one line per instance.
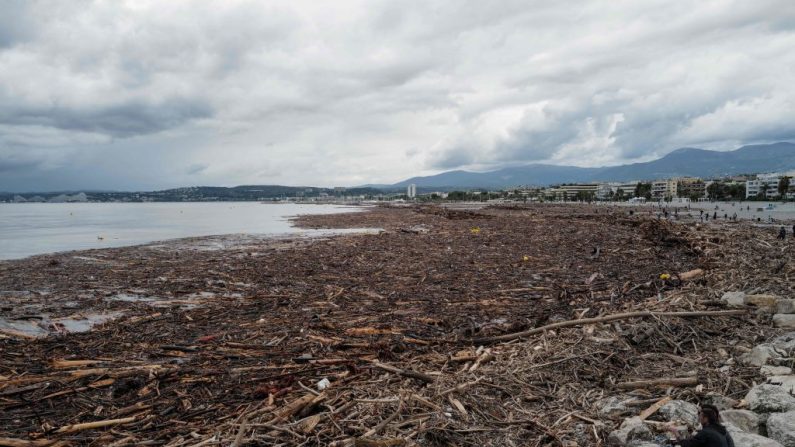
column 759, row 355
column 784, row 343
column 613, row 407
column 781, row 427
column 679, row 410
column 745, row 420
column 743, row 439
column 769, row 399
column 786, row 382
column 785, row 307
column 734, row 299
column 762, row 300
column 632, row 429
column 769, row 370
column 721, row 402
column 786, row 321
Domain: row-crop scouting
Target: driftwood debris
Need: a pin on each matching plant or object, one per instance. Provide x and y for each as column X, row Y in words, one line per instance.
column 605, row 319
column 513, row 334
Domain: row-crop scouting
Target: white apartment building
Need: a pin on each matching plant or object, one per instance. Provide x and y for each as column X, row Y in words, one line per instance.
column 411, row 191
column 768, row 183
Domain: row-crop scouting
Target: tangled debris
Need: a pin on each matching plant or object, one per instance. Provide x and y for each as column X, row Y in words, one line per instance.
column 426, row 333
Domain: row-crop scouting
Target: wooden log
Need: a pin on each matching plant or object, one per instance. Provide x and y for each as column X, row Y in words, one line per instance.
column 73, row 363
column 605, row 319
column 96, row 424
column 361, row 442
column 653, row 409
column 12, row 442
column 670, row 381
column 691, row 275
column 403, row 372
column 295, row 406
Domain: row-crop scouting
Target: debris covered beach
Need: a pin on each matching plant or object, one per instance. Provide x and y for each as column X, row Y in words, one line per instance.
column 545, row 325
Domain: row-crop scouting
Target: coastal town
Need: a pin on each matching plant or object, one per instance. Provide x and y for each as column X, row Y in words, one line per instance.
column 761, row 187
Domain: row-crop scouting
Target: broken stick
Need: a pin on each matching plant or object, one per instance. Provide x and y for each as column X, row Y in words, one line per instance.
column 403, row 372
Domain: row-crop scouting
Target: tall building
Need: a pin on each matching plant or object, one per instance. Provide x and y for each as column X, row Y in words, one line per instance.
column 691, row 187
column 663, row 189
column 767, row 183
column 411, row 191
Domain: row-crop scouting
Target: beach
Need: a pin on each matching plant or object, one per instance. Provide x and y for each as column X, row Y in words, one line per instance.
column 419, row 331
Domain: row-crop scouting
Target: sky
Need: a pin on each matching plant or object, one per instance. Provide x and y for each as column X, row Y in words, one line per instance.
column 141, row 95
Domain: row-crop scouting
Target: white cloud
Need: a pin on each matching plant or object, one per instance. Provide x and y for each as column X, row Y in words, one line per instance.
column 348, row 92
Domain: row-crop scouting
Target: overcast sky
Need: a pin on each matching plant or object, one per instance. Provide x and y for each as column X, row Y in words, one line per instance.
column 154, row 94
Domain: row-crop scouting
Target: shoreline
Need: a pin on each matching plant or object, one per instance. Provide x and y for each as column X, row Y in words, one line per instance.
column 53, row 228
column 404, row 321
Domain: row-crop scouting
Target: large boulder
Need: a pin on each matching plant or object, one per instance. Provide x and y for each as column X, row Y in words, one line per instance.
column 682, row 411
column 781, row 427
column 734, row 299
column 786, row 382
column 745, row 420
column 784, row 343
column 785, row 307
column 769, row 399
column 760, row 355
column 770, row 370
column 632, row 430
column 613, row 407
column 720, row 401
column 743, row 439
column 786, row 321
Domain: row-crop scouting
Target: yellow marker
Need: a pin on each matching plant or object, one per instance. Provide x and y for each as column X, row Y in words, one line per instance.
column 475, row 230
column 525, row 258
column 665, row 276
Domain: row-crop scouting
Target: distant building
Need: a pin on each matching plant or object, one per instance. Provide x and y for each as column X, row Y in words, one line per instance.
column 664, row 189
column 607, row 191
column 411, row 191
column 767, row 183
column 574, row 192
column 690, row 187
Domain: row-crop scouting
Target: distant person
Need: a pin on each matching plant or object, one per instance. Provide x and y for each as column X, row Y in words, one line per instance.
column 712, row 433
column 715, row 215
column 793, row 231
column 782, row 233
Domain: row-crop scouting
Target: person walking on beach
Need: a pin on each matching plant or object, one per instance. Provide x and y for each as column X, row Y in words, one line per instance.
column 712, row 433
column 782, row 233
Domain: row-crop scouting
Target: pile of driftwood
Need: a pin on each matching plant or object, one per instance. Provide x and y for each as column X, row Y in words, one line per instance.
column 508, row 335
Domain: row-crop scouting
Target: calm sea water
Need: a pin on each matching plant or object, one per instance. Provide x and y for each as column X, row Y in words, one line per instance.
column 35, row 228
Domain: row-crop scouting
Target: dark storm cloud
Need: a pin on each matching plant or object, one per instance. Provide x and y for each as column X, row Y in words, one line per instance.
column 116, row 120
column 349, row 92
column 16, row 24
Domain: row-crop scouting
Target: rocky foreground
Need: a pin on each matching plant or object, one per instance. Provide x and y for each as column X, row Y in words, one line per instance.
column 542, row 325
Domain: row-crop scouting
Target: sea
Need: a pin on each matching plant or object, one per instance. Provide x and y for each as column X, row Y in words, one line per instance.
column 28, row 229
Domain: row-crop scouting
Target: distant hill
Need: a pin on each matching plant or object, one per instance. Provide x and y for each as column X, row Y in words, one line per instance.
column 192, row 194
column 681, row 162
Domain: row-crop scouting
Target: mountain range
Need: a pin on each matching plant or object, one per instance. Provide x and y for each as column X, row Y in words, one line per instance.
column 679, row 163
